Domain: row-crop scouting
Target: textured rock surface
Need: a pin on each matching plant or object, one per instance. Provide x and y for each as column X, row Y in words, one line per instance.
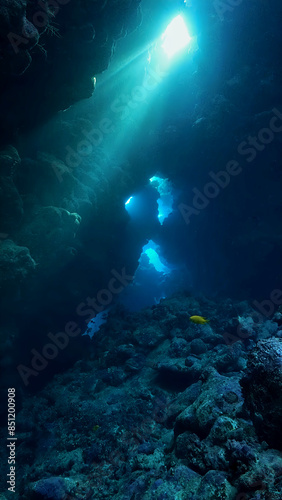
column 262, row 387
column 60, row 45
column 49, row 233
column 16, row 264
column 108, row 428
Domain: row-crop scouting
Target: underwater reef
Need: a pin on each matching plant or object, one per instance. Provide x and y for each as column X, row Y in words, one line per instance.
column 161, row 408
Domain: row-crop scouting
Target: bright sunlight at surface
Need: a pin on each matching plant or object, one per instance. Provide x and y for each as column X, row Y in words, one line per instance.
column 175, row 37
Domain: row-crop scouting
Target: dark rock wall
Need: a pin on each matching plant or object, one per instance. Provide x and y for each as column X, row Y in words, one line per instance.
column 50, row 52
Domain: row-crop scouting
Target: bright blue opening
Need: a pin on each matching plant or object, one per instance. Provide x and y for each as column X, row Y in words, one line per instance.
column 150, row 280
column 165, row 201
column 135, row 204
column 155, row 278
column 151, row 251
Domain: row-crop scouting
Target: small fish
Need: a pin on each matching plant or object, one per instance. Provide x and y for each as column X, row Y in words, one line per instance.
column 95, row 428
column 199, row 320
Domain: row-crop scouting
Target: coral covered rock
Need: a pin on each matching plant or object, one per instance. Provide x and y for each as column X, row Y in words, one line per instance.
column 16, row 264
column 262, row 389
column 50, row 234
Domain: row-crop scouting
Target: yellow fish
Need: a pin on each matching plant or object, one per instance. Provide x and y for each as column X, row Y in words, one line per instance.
column 199, row 320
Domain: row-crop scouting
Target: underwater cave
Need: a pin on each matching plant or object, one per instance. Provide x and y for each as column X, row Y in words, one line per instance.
column 140, row 249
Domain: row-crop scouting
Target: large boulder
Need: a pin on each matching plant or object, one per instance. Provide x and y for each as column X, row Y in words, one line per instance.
column 16, row 264
column 262, row 389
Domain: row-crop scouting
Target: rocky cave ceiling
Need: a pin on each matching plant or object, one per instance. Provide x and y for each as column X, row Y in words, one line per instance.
column 50, row 51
